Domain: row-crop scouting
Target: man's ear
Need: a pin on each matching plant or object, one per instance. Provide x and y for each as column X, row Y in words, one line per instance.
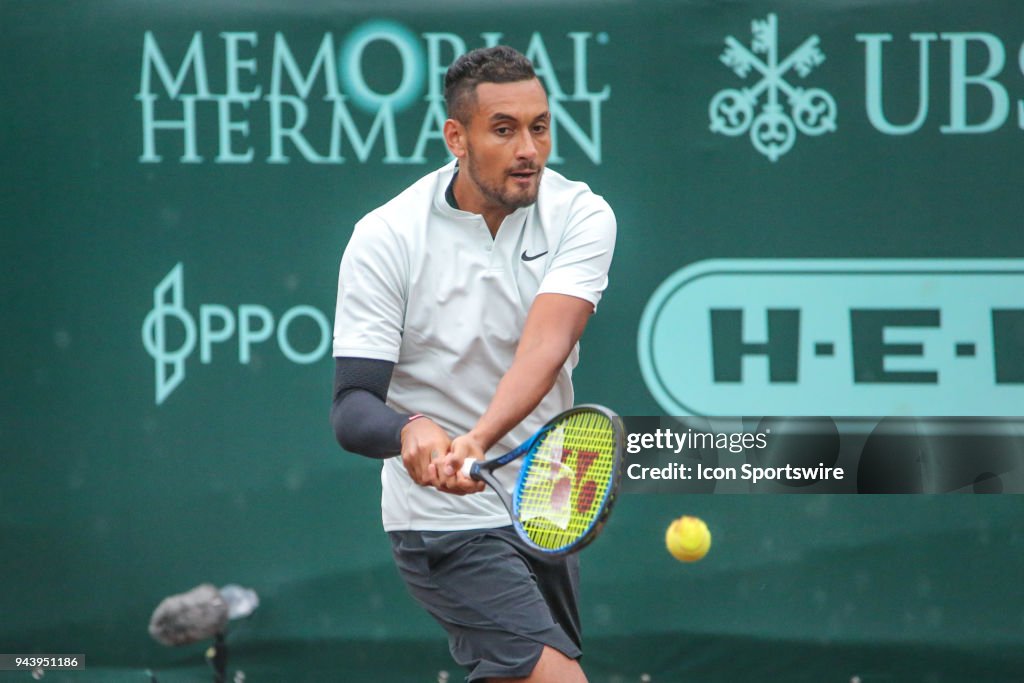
column 455, row 137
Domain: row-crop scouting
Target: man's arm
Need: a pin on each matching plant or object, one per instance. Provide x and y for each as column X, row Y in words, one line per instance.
column 364, row 424
column 553, row 326
column 367, row 337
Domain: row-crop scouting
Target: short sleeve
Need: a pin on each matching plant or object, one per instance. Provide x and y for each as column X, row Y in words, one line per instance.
column 372, row 287
column 580, row 264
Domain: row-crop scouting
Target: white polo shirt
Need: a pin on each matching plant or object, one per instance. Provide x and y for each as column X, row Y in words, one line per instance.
column 424, row 285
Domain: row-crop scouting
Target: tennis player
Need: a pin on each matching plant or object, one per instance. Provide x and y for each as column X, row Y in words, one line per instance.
column 460, row 305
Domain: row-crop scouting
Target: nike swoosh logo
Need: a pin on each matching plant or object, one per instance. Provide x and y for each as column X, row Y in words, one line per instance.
column 534, row 257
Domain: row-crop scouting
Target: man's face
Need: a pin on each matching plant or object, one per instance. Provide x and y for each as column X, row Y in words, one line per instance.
column 508, row 140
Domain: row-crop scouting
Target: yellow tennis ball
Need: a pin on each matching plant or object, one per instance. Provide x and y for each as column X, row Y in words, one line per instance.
column 688, row 539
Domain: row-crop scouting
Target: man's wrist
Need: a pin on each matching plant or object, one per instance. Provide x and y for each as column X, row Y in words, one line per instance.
column 408, row 421
column 481, row 439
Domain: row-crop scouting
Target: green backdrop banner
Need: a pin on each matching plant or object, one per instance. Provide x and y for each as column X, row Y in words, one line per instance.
column 819, row 208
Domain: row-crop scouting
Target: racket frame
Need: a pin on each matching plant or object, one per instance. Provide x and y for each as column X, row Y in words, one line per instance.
column 483, row 470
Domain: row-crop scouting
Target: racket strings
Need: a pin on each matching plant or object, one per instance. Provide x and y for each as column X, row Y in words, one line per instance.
column 566, row 480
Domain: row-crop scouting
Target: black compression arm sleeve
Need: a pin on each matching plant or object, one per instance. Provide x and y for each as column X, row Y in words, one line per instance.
column 362, row 422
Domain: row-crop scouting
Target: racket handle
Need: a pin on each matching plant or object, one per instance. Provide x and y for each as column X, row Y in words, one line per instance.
column 471, row 468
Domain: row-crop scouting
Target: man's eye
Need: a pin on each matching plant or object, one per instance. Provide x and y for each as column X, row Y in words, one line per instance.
column 504, row 130
column 540, row 128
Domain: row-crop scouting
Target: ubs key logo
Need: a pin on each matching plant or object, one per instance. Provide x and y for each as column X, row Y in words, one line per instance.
column 773, row 130
column 841, row 337
column 170, row 333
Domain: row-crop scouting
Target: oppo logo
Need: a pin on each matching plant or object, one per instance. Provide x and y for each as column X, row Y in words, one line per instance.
column 170, row 333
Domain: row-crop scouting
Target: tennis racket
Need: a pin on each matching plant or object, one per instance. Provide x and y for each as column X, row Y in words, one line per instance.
column 568, row 481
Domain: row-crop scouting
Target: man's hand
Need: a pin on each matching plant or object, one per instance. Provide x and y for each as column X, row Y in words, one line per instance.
column 423, row 442
column 451, row 479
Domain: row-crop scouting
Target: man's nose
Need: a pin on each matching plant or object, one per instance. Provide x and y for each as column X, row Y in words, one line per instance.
column 527, row 148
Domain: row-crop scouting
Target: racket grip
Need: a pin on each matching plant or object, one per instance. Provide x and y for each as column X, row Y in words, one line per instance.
column 471, row 468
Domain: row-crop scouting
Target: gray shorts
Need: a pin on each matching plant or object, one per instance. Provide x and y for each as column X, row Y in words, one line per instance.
column 499, row 603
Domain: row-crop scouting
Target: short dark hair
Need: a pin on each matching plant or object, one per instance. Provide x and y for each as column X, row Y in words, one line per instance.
column 499, row 64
